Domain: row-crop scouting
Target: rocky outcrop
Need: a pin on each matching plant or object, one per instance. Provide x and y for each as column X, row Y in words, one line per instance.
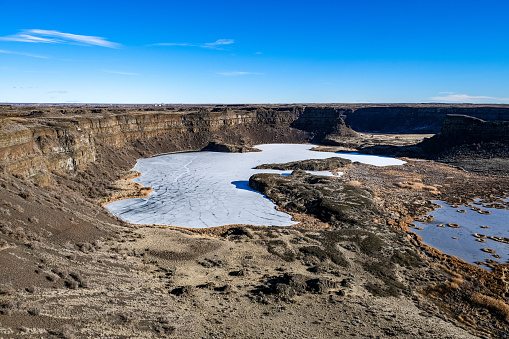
column 309, row 165
column 229, row 148
column 427, row 119
column 467, row 129
column 471, row 143
column 329, row 199
column 30, row 147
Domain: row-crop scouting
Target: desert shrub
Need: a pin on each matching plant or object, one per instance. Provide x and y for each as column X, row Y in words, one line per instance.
column 408, row 258
column 52, row 277
column 69, row 246
column 3, row 244
column 314, row 251
column 19, row 233
column 7, row 203
column 7, row 307
column 67, row 332
column 62, row 273
column 33, row 220
column 267, row 232
column 329, row 241
column 85, row 247
column 383, row 271
column 72, row 284
column 76, row 276
column 5, row 229
column 34, row 311
column 27, row 195
column 279, row 248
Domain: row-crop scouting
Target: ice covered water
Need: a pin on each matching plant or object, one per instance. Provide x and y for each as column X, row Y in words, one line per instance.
column 206, row 189
column 461, row 241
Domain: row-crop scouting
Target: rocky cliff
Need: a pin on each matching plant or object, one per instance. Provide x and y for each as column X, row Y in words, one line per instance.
column 416, row 118
column 35, row 141
column 462, row 128
column 31, row 146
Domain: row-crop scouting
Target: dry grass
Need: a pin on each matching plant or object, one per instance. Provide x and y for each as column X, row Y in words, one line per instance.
column 417, row 186
column 495, row 305
column 456, row 282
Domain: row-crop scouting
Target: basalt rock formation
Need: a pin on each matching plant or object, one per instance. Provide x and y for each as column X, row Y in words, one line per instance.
column 229, row 148
column 329, row 164
column 427, row 119
column 472, row 143
column 329, row 199
column 463, row 129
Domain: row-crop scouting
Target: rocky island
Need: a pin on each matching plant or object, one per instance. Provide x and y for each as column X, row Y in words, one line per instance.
column 350, row 267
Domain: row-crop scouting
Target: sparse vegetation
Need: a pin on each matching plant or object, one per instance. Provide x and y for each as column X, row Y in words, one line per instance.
column 281, row 249
column 384, row 272
column 497, row 306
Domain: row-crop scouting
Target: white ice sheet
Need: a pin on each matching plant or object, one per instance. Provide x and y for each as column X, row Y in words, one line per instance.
column 206, row 189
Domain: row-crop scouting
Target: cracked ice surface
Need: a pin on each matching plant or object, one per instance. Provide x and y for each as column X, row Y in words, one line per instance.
column 207, row 189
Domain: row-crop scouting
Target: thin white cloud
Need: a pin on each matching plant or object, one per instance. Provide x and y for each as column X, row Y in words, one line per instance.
column 465, row 98
column 24, row 54
column 56, row 37
column 57, row 92
column 218, row 44
column 121, row 73
column 234, row 74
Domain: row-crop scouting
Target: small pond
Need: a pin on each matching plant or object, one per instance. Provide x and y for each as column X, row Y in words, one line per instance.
column 464, row 231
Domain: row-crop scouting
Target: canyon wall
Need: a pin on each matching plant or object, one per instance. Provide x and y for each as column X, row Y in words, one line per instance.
column 34, row 145
column 466, row 129
column 35, row 141
column 427, row 119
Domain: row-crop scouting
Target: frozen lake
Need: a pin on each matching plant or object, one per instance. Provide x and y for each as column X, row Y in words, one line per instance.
column 466, row 246
column 207, row 189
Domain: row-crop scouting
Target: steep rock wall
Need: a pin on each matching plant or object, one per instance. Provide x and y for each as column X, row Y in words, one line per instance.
column 416, row 118
column 33, row 146
column 34, row 142
column 463, row 128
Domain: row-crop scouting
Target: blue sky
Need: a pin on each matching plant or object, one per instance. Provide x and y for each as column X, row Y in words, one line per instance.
column 254, row 51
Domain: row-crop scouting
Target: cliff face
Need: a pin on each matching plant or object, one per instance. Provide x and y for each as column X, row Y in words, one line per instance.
column 415, row 118
column 69, row 139
column 462, row 128
column 32, row 146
